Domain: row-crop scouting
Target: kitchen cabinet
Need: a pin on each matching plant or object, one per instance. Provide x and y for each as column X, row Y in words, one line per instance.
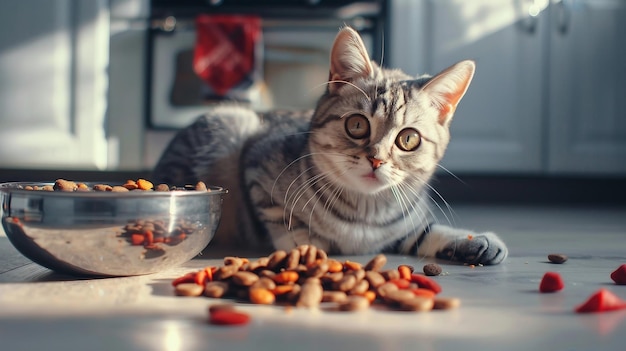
column 548, row 94
column 587, row 87
column 497, row 126
column 53, row 64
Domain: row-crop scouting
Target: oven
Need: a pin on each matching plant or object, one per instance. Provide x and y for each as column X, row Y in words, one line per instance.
column 291, row 53
column 289, row 69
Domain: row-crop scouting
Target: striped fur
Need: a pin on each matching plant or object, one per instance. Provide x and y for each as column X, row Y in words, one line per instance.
column 350, row 177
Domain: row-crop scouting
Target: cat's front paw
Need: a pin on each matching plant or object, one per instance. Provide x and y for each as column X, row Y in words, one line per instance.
column 485, row 248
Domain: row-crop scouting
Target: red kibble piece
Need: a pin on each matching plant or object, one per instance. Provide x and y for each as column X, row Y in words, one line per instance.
column 228, row 317
column 423, row 292
column 187, row 278
column 405, row 271
column 149, row 237
column 601, row 301
column 400, row 283
column 424, row 282
column 209, row 273
column 137, row 239
column 551, row 282
column 619, row 275
column 201, row 277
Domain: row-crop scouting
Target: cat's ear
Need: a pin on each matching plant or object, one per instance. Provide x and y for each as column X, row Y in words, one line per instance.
column 448, row 87
column 349, row 59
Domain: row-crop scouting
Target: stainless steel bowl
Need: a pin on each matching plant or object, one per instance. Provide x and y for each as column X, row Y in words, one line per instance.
column 108, row 233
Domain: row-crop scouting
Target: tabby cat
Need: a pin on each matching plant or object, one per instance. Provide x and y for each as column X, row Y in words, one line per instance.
column 351, row 177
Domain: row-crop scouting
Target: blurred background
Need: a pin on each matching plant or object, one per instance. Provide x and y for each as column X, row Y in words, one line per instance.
column 95, row 89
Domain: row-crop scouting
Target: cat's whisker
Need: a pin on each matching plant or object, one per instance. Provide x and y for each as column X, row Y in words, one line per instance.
column 424, row 183
column 452, row 174
column 321, row 188
column 292, row 198
column 400, row 197
column 424, row 214
column 336, row 195
column 310, row 182
column 287, row 167
column 303, row 189
column 446, row 203
column 436, row 203
column 288, row 190
column 282, row 172
column 333, row 196
column 396, row 191
column 430, row 210
column 451, row 211
column 442, row 211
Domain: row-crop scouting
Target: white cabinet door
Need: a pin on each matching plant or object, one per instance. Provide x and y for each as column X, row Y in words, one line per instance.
column 497, row 127
column 53, row 85
column 588, row 87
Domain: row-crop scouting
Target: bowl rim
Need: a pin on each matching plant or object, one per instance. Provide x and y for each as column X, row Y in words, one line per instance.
column 17, row 188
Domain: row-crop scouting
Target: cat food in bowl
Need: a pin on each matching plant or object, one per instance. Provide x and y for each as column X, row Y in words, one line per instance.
column 103, row 230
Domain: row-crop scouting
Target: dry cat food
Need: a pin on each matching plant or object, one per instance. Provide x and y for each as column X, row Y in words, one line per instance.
column 226, row 314
column 306, row 277
column 130, row 185
column 150, row 233
column 432, row 269
column 146, row 233
column 557, row 258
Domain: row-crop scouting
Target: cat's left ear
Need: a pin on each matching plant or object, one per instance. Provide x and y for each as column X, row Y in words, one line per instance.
column 448, row 87
column 349, row 59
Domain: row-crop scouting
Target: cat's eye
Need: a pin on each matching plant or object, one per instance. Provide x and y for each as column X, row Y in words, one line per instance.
column 357, row 127
column 408, row 139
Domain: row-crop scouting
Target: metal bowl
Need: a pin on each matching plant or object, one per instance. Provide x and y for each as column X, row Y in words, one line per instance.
column 108, row 233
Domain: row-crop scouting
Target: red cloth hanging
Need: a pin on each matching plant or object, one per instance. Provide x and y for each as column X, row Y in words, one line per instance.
column 225, row 49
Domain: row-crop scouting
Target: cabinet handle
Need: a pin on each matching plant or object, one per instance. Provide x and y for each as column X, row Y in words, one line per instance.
column 529, row 24
column 562, row 16
column 532, row 12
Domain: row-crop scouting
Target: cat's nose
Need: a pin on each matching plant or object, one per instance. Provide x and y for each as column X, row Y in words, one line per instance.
column 376, row 163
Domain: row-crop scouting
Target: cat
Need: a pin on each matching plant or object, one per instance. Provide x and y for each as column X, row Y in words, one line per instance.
column 350, row 177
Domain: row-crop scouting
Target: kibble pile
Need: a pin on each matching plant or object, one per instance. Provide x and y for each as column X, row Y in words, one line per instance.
column 306, row 277
column 129, row 185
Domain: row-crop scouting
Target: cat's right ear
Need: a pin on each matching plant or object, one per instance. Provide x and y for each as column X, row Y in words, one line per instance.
column 448, row 87
column 349, row 59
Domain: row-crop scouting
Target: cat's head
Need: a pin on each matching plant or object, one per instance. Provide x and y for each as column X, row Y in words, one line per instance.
column 376, row 128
